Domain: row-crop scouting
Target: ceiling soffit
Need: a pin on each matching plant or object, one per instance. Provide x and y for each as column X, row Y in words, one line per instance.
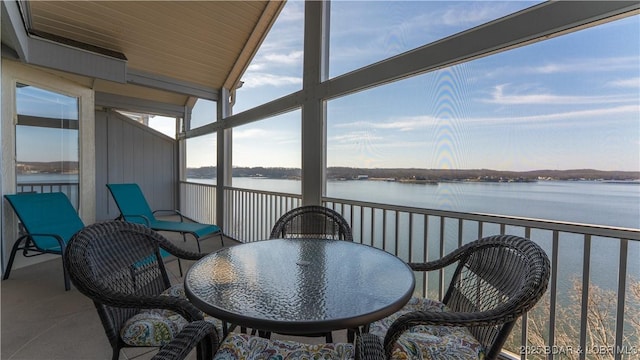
column 202, row 43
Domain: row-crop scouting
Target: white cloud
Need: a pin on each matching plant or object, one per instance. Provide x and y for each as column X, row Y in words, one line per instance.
column 255, row 67
column 472, row 14
column 586, row 65
column 293, row 11
column 250, row 134
column 354, row 137
column 499, row 97
column 254, row 80
column 293, row 57
column 626, row 83
column 277, row 138
column 553, row 119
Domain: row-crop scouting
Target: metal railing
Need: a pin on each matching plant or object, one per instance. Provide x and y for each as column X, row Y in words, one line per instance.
column 587, row 261
column 198, row 202
column 69, row 189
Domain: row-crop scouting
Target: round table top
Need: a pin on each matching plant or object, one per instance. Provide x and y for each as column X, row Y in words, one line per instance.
column 300, row 285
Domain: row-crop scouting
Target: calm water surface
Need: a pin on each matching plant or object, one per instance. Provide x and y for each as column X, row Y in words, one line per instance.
column 592, row 202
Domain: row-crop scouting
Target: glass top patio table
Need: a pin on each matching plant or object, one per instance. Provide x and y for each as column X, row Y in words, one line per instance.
column 299, row 286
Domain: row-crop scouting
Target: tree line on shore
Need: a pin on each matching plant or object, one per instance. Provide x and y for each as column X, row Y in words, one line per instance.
column 347, row 173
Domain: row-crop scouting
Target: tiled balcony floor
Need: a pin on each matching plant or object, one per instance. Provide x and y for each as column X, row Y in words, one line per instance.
column 40, row 320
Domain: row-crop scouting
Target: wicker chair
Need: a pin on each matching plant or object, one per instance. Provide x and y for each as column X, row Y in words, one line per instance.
column 198, row 333
column 246, row 347
column 119, row 266
column 312, row 221
column 496, row 280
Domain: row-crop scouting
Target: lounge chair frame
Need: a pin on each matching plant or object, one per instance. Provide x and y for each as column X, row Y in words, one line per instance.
column 141, row 213
column 43, row 216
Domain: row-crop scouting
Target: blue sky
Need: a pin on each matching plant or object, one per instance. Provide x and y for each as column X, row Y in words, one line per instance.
column 565, row 103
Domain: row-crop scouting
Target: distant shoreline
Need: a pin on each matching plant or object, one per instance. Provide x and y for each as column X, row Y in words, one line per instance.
column 428, row 176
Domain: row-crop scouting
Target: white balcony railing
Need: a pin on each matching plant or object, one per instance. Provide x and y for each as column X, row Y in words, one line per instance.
column 589, row 263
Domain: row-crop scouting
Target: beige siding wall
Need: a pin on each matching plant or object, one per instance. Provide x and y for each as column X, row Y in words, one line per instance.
column 129, row 152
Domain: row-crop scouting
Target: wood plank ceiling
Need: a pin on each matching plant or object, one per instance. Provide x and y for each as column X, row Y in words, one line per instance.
column 207, row 43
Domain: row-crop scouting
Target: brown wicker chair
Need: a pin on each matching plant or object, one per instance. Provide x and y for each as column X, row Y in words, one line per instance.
column 496, row 280
column 312, row 221
column 119, row 266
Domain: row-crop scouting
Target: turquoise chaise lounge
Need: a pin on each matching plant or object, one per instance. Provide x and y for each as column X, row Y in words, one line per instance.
column 135, row 208
column 49, row 221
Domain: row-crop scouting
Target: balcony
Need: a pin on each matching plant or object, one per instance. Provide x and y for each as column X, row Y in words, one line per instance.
column 41, row 320
column 568, row 321
column 415, row 234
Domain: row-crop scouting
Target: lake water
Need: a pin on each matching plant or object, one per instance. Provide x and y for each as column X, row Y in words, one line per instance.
column 591, row 202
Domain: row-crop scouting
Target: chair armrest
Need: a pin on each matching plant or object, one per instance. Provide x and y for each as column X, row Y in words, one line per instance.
column 147, row 223
column 173, row 249
column 58, row 238
column 368, row 347
column 177, row 251
column 452, row 257
column 181, row 306
column 200, row 333
column 176, row 212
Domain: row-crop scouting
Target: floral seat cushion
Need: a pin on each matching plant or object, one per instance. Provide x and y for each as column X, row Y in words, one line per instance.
column 246, row 347
column 157, row 327
column 427, row 341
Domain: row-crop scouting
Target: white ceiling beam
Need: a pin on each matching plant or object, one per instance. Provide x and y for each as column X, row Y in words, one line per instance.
column 172, row 85
column 138, row 105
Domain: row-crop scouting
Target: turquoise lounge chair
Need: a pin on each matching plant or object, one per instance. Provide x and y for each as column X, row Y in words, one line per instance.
column 49, row 221
column 134, row 208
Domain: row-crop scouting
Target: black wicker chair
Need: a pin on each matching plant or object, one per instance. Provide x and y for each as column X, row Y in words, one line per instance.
column 119, row 266
column 198, row 333
column 496, row 280
column 312, row 221
column 203, row 333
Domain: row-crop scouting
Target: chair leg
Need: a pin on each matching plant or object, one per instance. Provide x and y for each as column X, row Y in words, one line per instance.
column 221, row 239
column 351, row 336
column 12, row 257
column 67, row 284
column 329, row 337
column 263, row 334
column 184, row 237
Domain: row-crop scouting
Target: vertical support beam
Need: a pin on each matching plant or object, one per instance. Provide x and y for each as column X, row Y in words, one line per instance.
column 313, row 108
column 181, row 129
column 224, row 163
